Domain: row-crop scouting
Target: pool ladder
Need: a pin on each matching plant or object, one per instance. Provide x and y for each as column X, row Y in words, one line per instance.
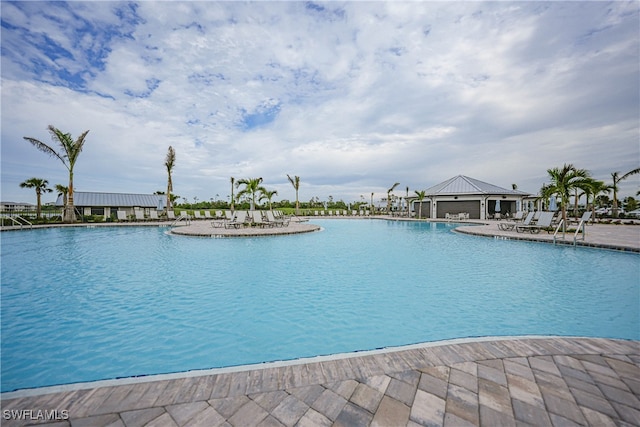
column 21, row 224
column 184, row 217
column 581, row 227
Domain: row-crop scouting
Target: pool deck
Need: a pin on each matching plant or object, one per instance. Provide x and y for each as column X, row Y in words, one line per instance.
column 509, row 381
column 603, row 236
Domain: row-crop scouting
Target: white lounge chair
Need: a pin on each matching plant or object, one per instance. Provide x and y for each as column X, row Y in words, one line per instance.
column 239, row 220
column 276, row 222
column 584, row 218
column 507, row 226
column 258, row 221
column 122, row 216
column 544, row 222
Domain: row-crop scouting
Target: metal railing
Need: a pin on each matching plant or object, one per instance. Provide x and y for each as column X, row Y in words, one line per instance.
column 580, row 228
column 18, row 220
column 184, row 217
column 555, row 233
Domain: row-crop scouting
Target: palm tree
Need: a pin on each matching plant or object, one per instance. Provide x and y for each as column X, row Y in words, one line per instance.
column 251, row 187
column 169, row 163
column 295, row 181
column 616, row 180
column 70, row 151
column 563, row 181
column 268, row 195
column 232, row 182
column 592, row 188
column 62, row 191
column 393, row 187
column 421, row 195
column 41, row 187
column 584, row 187
column 546, row 191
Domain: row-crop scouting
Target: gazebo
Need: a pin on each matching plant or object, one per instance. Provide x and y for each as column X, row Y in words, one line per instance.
column 462, row 194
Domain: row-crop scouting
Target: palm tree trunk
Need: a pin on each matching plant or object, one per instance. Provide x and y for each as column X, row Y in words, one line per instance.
column 38, row 203
column 69, row 211
column 169, row 190
column 297, row 204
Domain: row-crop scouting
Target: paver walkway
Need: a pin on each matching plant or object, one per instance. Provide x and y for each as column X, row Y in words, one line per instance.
column 507, row 382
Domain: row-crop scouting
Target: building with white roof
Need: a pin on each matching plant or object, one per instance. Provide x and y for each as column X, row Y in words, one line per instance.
column 107, row 204
column 462, row 194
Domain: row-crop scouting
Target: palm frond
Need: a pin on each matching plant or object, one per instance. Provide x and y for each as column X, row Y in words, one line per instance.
column 45, row 148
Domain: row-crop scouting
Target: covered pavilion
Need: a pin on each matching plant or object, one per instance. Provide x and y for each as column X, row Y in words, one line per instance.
column 461, row 194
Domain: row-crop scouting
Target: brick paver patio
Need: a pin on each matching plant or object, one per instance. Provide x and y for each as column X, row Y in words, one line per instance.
column 537, row 381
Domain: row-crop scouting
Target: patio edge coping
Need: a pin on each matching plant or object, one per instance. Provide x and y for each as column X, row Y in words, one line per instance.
column 38, row 391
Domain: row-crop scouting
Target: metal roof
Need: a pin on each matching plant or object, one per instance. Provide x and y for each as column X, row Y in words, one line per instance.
column 81, row 198
column 464, row 185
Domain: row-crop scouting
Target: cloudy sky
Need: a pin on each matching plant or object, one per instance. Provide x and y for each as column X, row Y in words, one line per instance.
column 350, row 96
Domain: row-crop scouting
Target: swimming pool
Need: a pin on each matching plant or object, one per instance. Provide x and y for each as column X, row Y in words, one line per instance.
column 82, row 304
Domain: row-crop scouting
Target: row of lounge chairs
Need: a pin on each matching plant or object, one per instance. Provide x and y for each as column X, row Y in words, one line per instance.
column 339, row 212
column 239, row 219
column 138, row 215
column 537, row 221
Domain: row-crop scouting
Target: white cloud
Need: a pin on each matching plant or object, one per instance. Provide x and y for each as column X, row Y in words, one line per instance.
column 349, row 96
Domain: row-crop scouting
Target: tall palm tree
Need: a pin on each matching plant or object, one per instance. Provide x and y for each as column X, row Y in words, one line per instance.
column 169, row 163
column 251, row 187
column 41, row 187
column 563, row 181
column 616, row 181
column 70, row 151
column 393, row 187
column 268, row 195
column 62, row 191
column 233, row 180
column 295, row 181
column 421, row 195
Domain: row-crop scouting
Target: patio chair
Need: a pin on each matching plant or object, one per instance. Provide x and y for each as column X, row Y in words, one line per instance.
column 258, row 221
column 544, row 222
column 171, row 215
column 207, row 215
column 197, row 215
column 583, row 219
column 519, row 216
column 140, row 215
column 122, row 216
column 153, row 215
column 275, row 222
column 239, row 220
column 508, row 226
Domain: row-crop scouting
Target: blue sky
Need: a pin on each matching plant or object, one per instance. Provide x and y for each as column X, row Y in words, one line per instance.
column 350, row 96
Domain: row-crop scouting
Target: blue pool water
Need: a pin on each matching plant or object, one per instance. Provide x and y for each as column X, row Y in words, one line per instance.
column 84, row 304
